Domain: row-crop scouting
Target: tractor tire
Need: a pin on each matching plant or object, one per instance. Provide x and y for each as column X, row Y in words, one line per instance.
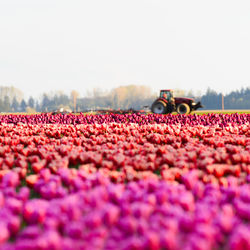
column 183, row 108
column 159, row 107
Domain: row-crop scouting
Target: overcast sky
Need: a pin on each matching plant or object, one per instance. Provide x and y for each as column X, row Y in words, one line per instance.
column 48, row 45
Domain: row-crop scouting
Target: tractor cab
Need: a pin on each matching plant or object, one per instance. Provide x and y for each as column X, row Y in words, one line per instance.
column 164, row 103
column 166, row 94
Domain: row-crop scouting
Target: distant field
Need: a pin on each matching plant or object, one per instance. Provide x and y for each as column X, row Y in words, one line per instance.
column 198, row 112
column 232, row 111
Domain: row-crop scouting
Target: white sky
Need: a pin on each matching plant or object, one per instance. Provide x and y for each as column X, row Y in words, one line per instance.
column 49, row 45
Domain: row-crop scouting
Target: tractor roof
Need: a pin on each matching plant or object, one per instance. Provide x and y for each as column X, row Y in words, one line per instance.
column 166, row 90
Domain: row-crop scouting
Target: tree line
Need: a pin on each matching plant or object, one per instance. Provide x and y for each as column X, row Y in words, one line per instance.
column 124, row 97
column 239, row 99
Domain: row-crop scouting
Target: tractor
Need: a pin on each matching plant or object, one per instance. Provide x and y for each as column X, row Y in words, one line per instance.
column 166, row 103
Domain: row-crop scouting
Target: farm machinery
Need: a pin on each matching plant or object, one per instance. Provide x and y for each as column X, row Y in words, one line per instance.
column 167, row 103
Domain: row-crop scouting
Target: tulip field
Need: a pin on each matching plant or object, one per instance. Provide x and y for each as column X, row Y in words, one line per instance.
column 125, row 182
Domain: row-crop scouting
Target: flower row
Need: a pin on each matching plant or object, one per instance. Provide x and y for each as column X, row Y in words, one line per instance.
column 207, row 120
column 91, row 212
column 129, row 152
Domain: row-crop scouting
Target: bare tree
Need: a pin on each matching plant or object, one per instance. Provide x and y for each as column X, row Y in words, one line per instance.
column 74, row 95
column 11, row 92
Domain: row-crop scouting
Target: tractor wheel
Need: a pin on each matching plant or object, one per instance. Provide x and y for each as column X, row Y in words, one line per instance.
column 183, row 108
column 159, row 107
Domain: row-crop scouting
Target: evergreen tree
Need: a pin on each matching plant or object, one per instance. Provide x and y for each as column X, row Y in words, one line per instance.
column 6, row 104
column 31, row 102
column 45, row 103
column 1, row 105
column 23, row 106
column 37, row 107
column 211, row 100
column 15, row 105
